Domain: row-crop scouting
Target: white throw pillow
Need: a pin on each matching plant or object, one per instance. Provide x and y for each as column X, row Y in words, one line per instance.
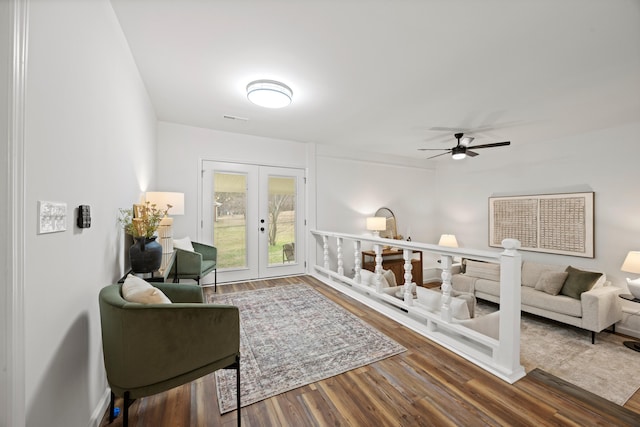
column 432, row 300
column 184, row 244
column 367, row 278
column 389, row 277
column 135, row 289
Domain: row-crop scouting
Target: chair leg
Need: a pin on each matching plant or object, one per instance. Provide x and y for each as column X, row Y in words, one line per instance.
column 125, row 410
column 238, row 390
column 215, row 280
column 112, row 415
column 593, row 337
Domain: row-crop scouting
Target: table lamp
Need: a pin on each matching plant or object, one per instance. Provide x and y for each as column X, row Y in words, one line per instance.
column 631, row 264
column 448, row 240
column 165, row 231
column 376, row 224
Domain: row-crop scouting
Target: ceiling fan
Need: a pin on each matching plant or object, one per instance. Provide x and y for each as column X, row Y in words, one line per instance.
column 463, row 149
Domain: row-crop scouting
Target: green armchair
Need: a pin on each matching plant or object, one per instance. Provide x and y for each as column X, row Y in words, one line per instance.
column 195, row 265
column 151, row 348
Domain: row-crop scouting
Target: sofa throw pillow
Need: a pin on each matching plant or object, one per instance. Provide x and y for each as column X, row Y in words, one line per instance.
column 551, row 282
column 184, row 244
column 432, row 300
column 578, row 281
column 135, row 289
column 389, row 277
column 367, row 278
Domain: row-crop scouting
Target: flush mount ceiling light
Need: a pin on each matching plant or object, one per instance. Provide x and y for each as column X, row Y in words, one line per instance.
column 269, row 93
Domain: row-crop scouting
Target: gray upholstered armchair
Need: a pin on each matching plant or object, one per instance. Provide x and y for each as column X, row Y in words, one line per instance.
column 195, row 265
column 151, row 348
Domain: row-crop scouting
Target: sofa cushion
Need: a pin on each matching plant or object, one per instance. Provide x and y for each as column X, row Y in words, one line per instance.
column 531, row 272
column 551, row 282
column 483, row 270
column 184, row 244
column 579, row 281
column 490, row 287
column 135, row 289
column 555, row 303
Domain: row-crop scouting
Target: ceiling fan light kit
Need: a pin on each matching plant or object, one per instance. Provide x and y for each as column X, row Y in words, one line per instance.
column 269, row 93
column 463, row 149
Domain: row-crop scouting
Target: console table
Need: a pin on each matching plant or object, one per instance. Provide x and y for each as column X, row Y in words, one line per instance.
column 392, row 260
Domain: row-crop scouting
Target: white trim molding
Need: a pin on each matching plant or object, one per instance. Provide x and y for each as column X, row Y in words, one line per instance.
column 15, row 413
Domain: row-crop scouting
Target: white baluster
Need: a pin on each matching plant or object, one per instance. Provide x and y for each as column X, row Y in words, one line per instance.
column 357, row 260
column 325, row 246
column 445, row 309
column 408, row 284
column 340, row 261
column 377, row 278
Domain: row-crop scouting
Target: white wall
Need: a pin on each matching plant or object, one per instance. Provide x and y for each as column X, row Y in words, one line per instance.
column 181, row 150
column 604, row 161
column 350, row 188
column 89, row 139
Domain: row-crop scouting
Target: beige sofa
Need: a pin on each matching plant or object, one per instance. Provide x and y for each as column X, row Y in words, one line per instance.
column 594, row 309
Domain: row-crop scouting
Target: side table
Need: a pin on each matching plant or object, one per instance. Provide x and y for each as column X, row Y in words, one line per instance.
column 154, row 276
column 633, row 345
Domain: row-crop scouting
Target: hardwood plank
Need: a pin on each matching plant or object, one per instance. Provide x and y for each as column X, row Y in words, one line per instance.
column 425, row 386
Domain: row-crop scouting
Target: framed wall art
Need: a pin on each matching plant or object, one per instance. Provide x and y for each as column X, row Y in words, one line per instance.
column 551, row 223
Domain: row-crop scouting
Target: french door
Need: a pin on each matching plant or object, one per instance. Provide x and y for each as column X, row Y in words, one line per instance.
column 254, row 216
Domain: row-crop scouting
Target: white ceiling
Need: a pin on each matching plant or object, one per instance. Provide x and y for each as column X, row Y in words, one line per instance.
column 387, row 76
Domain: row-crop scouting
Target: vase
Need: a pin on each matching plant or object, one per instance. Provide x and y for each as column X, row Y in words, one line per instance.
column 145, row 255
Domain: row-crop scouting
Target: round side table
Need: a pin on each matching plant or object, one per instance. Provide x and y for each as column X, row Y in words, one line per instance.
column 633, row 345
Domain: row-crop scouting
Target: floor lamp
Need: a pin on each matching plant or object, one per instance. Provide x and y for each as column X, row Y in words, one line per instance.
column 162, row 199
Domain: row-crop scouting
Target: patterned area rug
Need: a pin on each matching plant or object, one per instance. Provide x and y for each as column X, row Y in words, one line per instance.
column 291, row 336
column 606, row 368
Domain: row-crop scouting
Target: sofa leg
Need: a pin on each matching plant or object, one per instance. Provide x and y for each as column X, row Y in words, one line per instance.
column 593, row 337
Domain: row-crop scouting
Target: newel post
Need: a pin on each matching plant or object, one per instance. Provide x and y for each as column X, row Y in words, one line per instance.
column 508, row 354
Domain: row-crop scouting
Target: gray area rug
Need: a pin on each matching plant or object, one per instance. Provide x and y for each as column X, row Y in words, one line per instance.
column 606, row 368
column 291, row 336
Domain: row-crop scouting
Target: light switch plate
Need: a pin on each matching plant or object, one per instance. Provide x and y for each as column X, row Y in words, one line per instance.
column 52, row 217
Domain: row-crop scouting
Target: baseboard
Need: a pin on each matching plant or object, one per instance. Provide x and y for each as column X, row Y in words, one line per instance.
column 101, row 408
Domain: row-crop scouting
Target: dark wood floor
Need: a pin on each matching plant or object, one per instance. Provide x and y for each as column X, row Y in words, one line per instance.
column 424, row 386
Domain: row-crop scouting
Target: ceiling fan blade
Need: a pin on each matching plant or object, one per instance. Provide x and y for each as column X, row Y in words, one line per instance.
column 495, row 144
column 438, row 155
column 471, row 153
column 466, row 140
column 432, row 149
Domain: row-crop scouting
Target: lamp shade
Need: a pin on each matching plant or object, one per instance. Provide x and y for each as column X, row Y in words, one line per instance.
column 376, row 223
column 448, row 240
column 163, row 198
column 631, row 263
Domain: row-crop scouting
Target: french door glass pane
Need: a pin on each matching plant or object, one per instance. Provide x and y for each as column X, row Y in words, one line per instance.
column 282, row 216
column 230, row 219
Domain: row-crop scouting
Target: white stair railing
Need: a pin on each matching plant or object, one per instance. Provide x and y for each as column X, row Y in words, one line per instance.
column 498, row 356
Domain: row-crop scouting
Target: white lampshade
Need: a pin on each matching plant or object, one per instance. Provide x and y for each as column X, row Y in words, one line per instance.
column 448, row 240
column 376, row 223
column 269, row 93
column 631, row 263
column 163, row 198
